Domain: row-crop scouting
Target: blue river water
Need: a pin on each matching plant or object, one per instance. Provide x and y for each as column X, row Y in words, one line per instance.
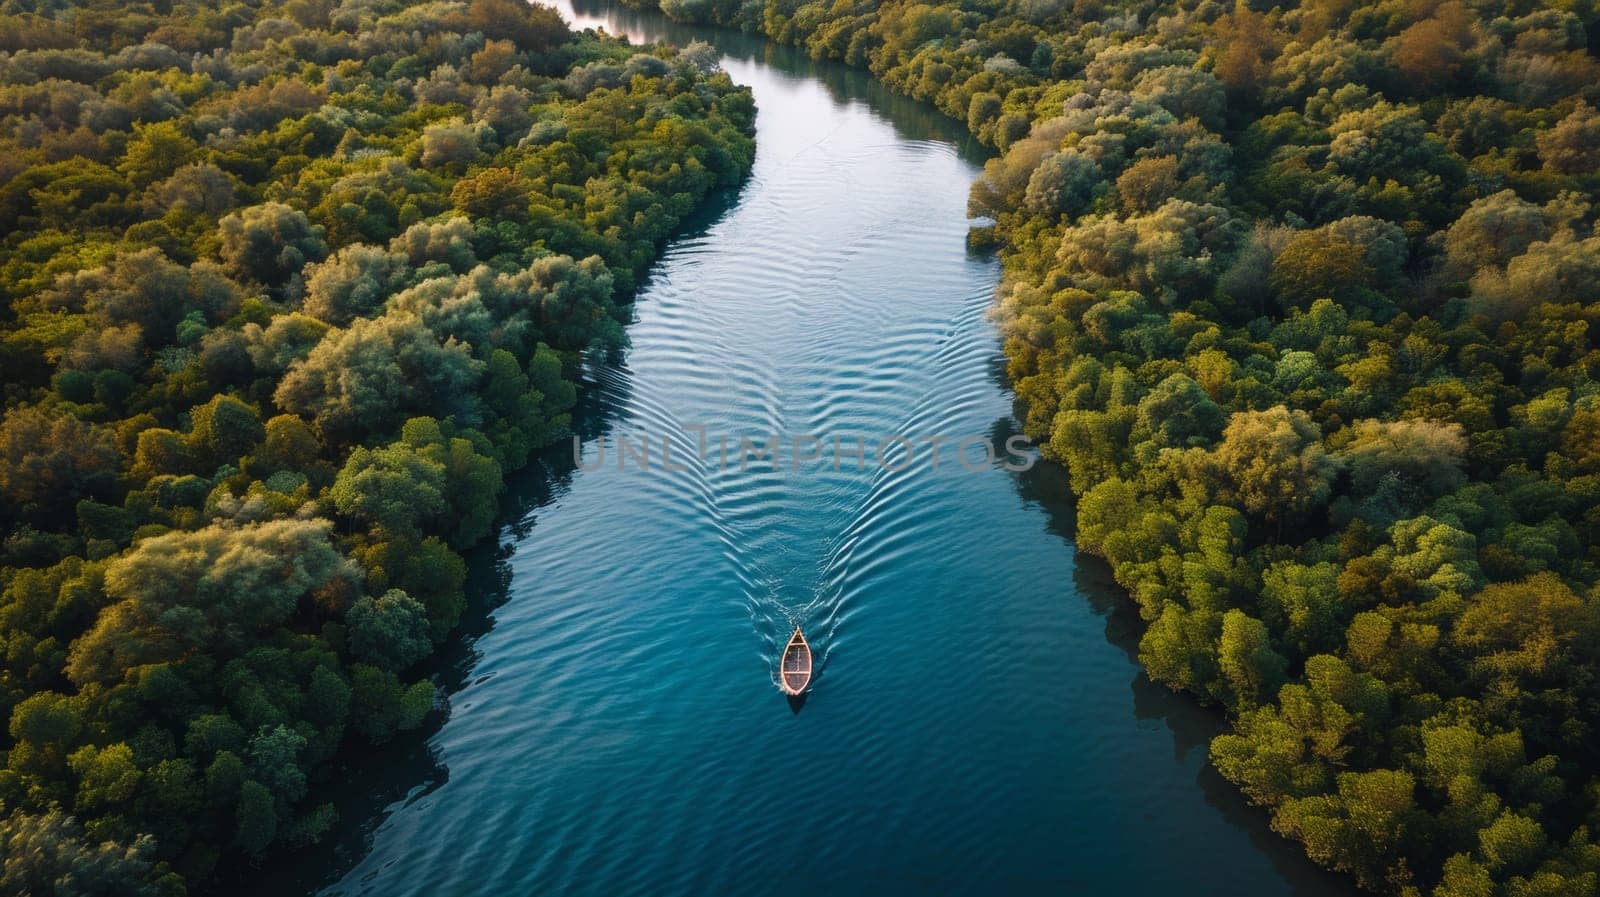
column 977, row 723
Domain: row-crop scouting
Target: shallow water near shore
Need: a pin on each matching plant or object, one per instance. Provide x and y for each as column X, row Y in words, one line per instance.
column 976, row 723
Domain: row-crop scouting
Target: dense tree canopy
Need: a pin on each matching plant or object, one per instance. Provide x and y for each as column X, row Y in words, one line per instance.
column 1306, row 297
column 286, row 290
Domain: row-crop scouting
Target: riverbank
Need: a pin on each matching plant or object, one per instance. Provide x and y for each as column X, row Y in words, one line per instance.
column 1303, row 299
column 288, row 291
column 618, row 704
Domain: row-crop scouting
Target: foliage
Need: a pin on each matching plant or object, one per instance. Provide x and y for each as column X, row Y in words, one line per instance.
column 286, row 290
column 1306, row 297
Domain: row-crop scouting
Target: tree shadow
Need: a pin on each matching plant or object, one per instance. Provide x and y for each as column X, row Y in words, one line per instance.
column 1191, row 725
column 367, row 783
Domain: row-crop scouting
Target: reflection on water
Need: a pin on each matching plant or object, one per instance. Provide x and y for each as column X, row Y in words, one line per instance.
column 977, row 723
column 1191, row 726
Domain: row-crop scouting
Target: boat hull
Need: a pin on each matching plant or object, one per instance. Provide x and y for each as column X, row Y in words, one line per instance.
column 794, row 668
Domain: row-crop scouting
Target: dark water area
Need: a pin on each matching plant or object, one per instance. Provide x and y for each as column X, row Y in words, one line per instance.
column 977, row 723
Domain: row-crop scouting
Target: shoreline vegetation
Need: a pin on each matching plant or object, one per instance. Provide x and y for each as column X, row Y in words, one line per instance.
column 1306, row 298
column 288, row 289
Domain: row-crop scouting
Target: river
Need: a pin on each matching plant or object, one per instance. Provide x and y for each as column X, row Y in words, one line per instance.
column 977, row 722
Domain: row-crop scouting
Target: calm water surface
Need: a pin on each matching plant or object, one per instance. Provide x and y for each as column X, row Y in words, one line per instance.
column 977, row 724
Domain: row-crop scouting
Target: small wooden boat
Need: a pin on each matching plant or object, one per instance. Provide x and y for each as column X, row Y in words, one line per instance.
column 794, row 671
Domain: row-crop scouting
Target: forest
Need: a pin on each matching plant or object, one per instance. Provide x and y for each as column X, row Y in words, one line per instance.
column 287, row 290
column 1306, row 298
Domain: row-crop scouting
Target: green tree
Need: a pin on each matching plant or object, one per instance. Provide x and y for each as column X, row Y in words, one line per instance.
column 257, row 818
column 390, row 631
column 270, row 243
column 1063, row 184
column 1178, row 414
column 396, row 489
column 353, row 283
column 1532, row 630
column 1512, row 843
column 1250, row 666
column 1570, row 146
column 529, row 26
column 210, row 589
column 1493, row 231
column 1180, row 648
column 1274, row 463
column 1427, row 455
column 982, row 110
column 428, row 571
column 367, row 378
column 156, row 151
column 1313, row 266
column 382, row 705
column 225, row 429
column 53, row 458
column 107, row 777
column 1304, row 602
column 49, row 853
column 1362, row 829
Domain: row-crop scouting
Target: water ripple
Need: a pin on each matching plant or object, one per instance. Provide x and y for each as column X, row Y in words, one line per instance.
column 970, row 729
